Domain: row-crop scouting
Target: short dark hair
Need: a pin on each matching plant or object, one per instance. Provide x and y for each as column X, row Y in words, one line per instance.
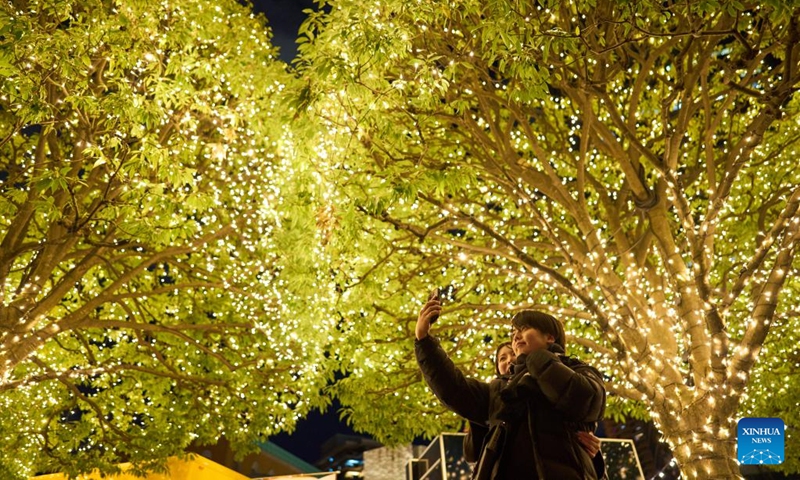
column 544, row 322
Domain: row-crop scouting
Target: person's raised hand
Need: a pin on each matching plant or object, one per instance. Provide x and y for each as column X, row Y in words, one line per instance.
column 430, row 310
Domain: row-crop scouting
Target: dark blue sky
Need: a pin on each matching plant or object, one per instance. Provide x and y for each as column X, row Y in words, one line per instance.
column 284, row 17
column 311, row 433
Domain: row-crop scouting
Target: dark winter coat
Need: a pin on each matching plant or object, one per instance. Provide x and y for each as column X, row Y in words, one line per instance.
column 532, row 419
column 477, row 434
column 473, row 441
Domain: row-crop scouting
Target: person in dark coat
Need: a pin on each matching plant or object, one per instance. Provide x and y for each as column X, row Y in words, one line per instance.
column 533, row 418
column 476, row 432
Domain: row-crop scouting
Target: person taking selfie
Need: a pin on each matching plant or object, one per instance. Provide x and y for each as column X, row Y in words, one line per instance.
column 532, row 417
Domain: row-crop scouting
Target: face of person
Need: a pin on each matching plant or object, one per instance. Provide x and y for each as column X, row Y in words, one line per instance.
column 525, row 340
column 505, row 357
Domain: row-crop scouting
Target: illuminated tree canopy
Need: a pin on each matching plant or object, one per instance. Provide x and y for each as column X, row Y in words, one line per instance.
column 194, row 238
column 158, row 236
column 630, row 167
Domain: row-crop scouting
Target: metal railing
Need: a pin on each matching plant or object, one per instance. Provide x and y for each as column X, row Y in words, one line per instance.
column 443, row 459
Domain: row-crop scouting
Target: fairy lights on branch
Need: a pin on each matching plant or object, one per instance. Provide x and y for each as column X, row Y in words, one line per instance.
column 158, row 282
column 539, row 162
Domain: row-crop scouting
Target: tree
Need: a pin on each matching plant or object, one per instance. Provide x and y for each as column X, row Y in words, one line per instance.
column 158, row 238
column 628, row 166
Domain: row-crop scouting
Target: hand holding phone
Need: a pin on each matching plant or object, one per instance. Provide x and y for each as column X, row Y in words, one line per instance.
column 428, row 315
column 436, row 294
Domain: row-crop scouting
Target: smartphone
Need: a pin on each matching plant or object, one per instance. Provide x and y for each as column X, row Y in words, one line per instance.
column 436, row 294
column 444, row 295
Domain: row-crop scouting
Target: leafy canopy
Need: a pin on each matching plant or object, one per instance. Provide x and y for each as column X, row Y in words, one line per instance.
column 158, row 236
column 628, row 166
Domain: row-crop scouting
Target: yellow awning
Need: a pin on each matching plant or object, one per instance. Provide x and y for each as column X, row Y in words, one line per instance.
column 197, row 468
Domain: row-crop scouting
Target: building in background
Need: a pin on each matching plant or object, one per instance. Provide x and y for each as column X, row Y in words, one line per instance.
column 388, row 463
column 271, row 460
column 345, row 453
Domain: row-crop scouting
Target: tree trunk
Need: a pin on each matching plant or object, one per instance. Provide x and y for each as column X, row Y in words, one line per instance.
column 705, row 455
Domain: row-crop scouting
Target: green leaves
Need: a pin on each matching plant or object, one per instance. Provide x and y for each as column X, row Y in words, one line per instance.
column 160, row 247
column 603, row 161
column 7, row 67
column 194, row 240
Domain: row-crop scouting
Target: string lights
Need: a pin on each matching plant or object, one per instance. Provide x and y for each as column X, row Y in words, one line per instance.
column 162, row 275
column 628, row 168
column 197, row 242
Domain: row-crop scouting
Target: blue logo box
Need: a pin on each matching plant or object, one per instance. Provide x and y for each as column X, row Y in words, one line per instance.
column 760, row 441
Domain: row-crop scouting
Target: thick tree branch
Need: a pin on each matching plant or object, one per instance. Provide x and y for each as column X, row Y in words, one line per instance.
column 758, row 327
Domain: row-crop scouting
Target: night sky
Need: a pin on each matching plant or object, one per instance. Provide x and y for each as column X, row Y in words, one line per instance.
column 285, row 17
column 311, row 433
